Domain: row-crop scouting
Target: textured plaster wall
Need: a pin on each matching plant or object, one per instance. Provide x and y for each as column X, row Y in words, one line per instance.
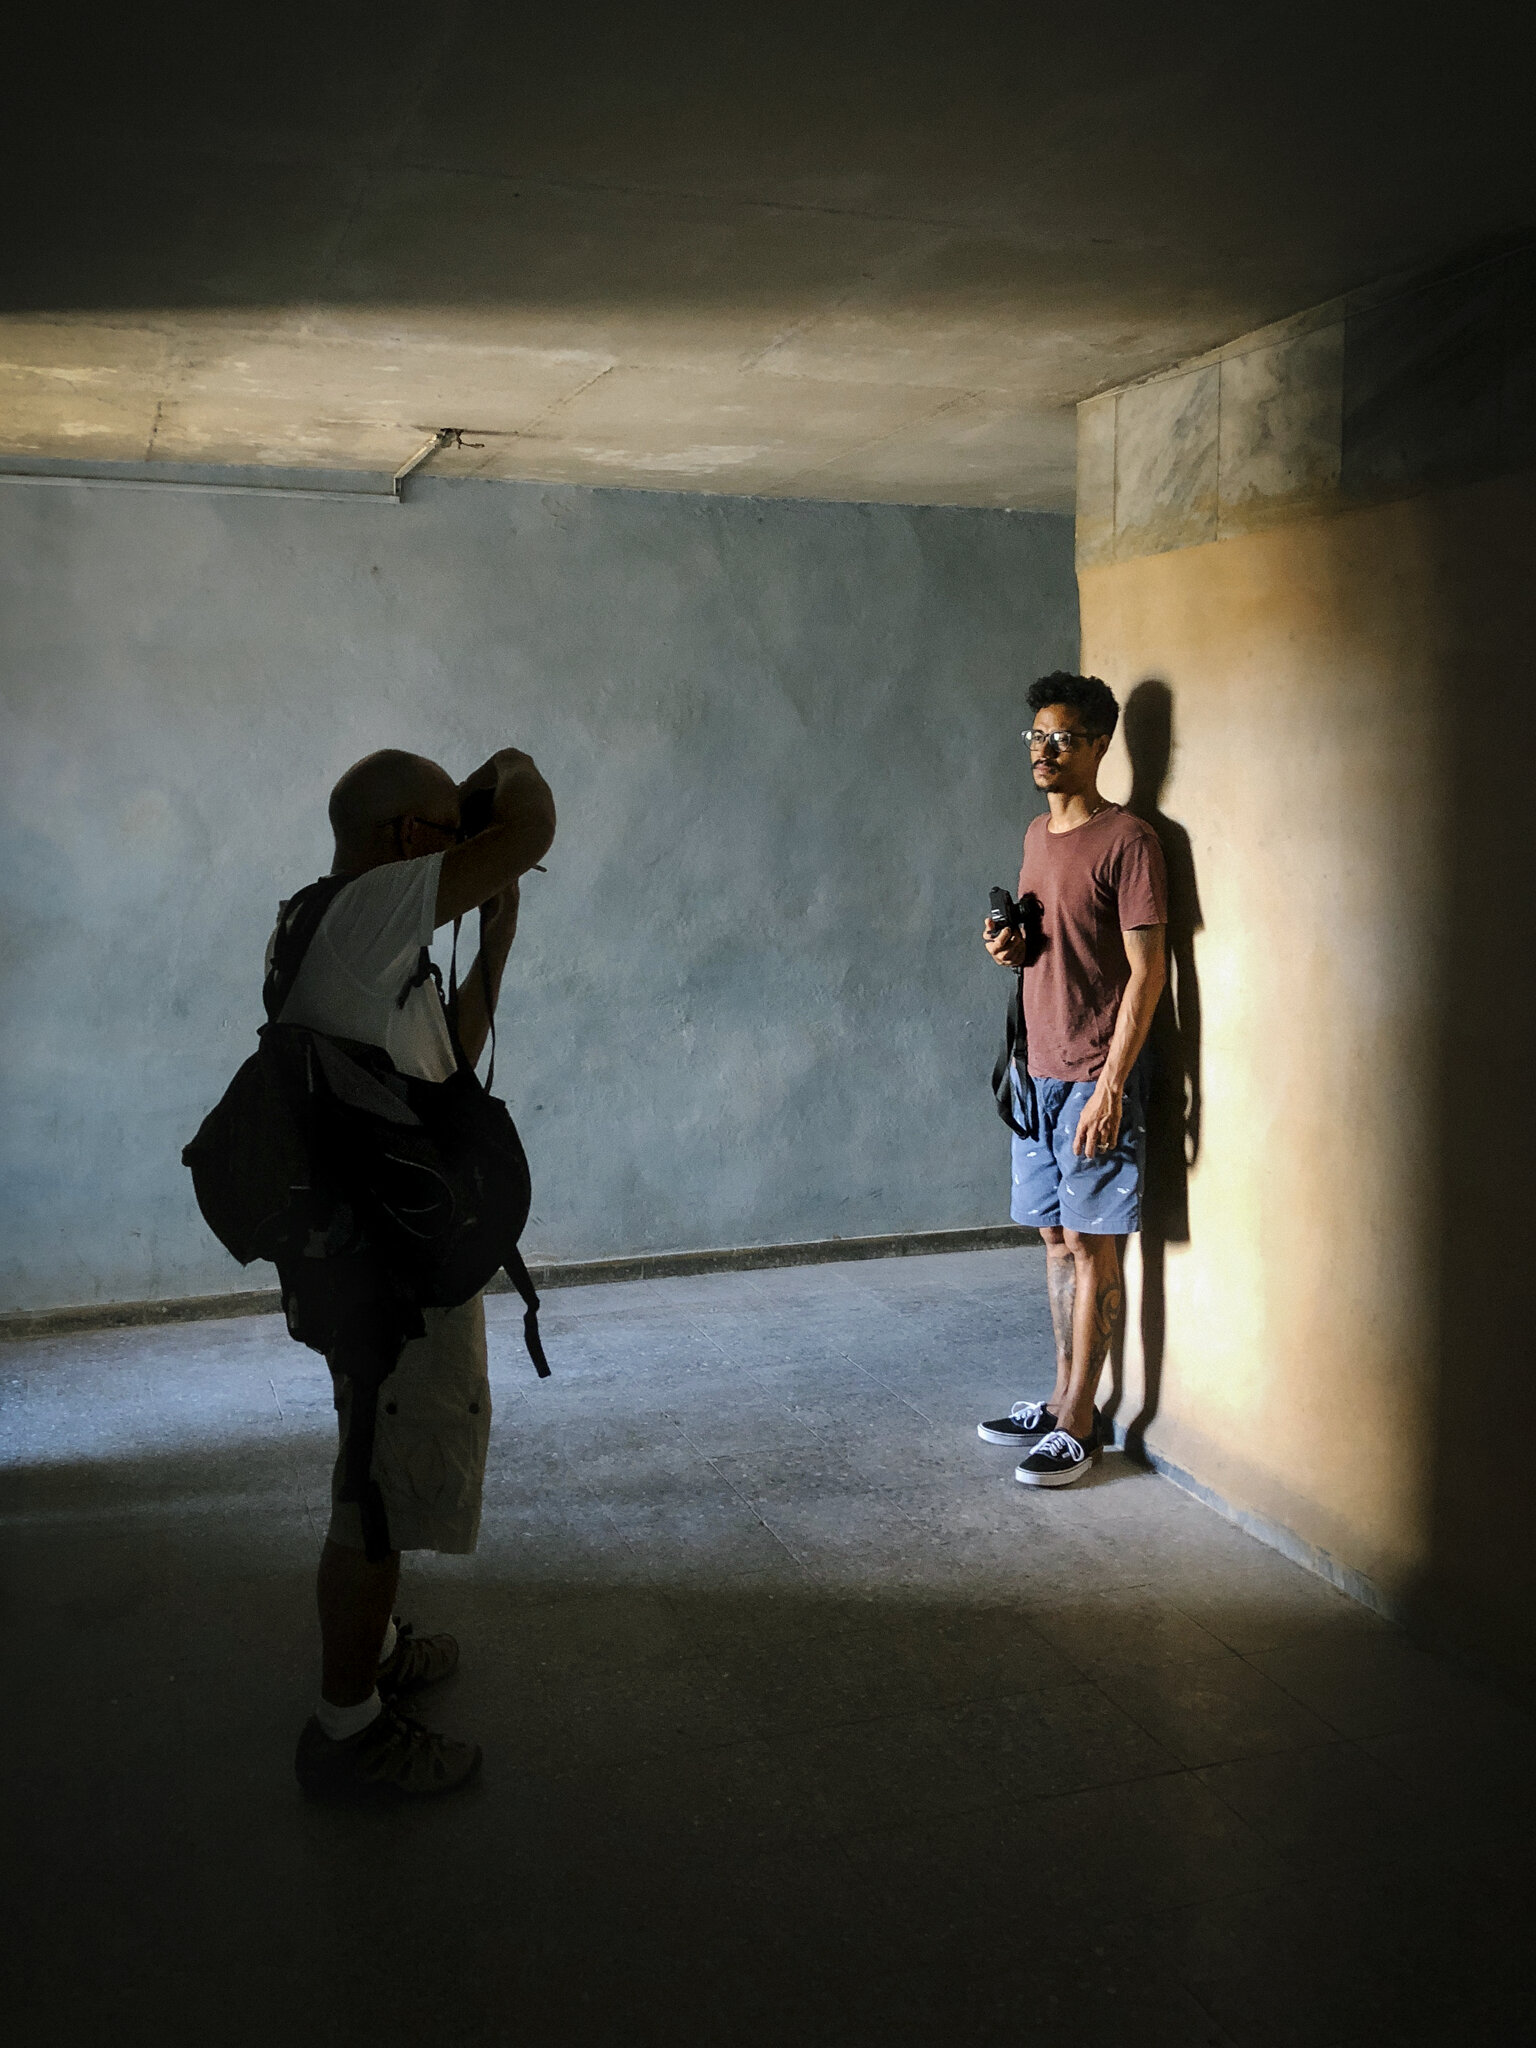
column 747, row 1004
column 1348, row 1322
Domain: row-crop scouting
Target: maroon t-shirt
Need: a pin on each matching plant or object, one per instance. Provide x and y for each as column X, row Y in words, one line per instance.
column 1081, row 890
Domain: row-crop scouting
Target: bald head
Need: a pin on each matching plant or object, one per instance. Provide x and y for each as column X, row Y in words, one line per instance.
column 379, row 796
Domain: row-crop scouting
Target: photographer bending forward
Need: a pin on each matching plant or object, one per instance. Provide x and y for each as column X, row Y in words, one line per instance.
column 396, row 818
column 1094, row 896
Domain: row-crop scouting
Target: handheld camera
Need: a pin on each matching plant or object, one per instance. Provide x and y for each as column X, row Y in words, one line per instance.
column 1005, row 911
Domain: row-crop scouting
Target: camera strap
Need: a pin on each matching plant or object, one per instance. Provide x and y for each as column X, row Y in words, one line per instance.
column 1014, row 1059
column 453, row 996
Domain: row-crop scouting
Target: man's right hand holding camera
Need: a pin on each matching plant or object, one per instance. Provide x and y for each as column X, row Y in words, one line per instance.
column 1005, row 943
column 520, row 833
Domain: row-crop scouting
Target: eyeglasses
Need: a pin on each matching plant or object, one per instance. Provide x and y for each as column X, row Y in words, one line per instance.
column 1057, row 742
column 452, row 833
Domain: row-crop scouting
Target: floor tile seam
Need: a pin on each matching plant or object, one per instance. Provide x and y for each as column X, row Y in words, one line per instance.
column 1085, row 1542
column 1306, row 1705
column 619, row 1761
column 1302, row 1874
column 1227, row 2039
column 1248, row 1655
column 1170, row 1600
column 1440, row 1666
column 1250, row 1756
column 1396, row 1772
column 733, row 1452
column 1207, row 1763
column 1150, row 1667
column 980, row 1803
column 760, row 1377
column 880, row 1381
column 929, row 1709
column 746, row 1500
column 602, row 1507
column 910, row 1509
column 587, row 1773
column 1300, row 1749
column 1267, row 2038
column 778, row 1535
column 750, row 1505
column 1154, row 1919
column 843, row 1834
column 699, row 1324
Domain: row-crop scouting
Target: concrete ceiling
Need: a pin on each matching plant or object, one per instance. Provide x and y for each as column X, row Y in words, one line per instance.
column 855, row 251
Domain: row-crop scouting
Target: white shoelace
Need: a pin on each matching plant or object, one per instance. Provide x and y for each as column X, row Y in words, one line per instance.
column 1061, row 1444
column 1027, row 1412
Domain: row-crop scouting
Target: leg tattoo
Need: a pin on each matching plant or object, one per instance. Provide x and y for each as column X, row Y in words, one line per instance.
column 1099, row 1298
column 1061, row 1286
column 1106, row 1313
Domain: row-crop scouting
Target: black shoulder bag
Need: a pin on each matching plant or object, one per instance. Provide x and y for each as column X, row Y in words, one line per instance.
column 1015, row 1052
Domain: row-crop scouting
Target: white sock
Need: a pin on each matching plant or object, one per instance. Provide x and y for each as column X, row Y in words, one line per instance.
column 342, row 1722
column 391, row 1635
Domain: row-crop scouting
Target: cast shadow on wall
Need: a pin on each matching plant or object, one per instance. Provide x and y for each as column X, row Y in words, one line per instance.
column 1173, row 1049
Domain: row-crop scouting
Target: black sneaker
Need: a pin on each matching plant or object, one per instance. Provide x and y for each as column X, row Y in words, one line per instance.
column 1060, row 1459
column 394, row 1755
column 1024, row 1421
column 416, row 1661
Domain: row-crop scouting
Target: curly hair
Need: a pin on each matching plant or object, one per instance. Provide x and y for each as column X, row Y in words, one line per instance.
column 1092, row 700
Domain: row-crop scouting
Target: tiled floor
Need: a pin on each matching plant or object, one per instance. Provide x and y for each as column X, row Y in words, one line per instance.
column 804, row 1723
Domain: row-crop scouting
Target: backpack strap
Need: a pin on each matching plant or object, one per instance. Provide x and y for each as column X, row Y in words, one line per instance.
column 366, row 1351
column 490, row 1011
column 512, row 1264
column 522, row 1280
column 426, row 969
column 297, row 922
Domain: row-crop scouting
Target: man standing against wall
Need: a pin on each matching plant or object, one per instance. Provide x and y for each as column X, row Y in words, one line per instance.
column 396, row 822
column 1090, row 953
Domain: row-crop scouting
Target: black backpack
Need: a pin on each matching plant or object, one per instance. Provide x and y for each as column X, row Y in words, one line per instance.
column 375, row 1194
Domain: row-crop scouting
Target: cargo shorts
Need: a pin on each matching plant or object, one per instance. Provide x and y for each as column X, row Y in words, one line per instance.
column 430, row 1438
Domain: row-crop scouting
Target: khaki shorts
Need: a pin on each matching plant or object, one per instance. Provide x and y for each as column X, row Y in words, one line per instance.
column 429, row 1443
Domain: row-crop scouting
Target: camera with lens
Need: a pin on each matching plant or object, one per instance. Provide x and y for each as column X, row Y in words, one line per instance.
column 1005, row 911
column 1026, row 917
column 476, row 812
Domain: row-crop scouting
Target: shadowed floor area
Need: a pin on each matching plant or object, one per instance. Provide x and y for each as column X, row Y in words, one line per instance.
column 802, row 1721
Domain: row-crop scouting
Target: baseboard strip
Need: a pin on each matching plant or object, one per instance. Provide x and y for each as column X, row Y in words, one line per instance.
column 20, row 1324
column 1277, row 1537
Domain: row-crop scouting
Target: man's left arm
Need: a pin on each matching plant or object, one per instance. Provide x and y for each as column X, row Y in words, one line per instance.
column 1098, row 1128
column 481, row 986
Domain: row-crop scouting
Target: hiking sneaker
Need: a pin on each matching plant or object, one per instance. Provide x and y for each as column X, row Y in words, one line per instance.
column 1060, row 1459
column 416, row 1661
column 1024, row 1421
column 393, row 1755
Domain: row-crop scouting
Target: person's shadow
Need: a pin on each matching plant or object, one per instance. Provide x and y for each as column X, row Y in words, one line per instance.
column 1173, row 1052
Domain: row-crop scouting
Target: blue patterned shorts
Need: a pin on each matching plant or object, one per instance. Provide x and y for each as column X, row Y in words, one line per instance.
column 1052, row 1185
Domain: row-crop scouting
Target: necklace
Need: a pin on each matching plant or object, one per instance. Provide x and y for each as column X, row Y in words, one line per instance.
column 1101, row 805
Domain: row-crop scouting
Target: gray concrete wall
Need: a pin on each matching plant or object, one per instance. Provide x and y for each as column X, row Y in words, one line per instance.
column 748, row 1003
